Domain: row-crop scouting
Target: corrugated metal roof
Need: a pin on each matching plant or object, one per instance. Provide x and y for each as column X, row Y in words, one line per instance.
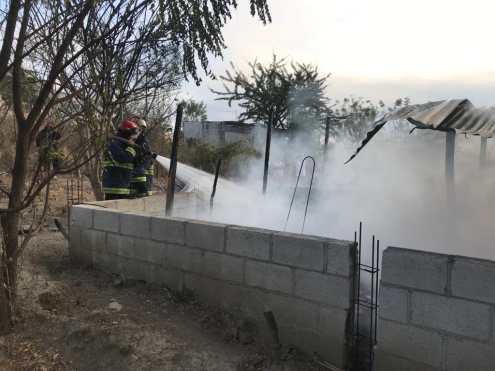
column 455, row 114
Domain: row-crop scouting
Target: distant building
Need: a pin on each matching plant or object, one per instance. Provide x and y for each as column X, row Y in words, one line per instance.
column 220, row 133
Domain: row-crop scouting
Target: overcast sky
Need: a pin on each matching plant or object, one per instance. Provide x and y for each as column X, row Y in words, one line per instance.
column 377, row 49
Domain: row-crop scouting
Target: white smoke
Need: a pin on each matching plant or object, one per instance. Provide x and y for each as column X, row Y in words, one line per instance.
column 395, row 186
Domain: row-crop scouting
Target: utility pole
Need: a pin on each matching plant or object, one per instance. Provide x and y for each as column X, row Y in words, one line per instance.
column 173, row 162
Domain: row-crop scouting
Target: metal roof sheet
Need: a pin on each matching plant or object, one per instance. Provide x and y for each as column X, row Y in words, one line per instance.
column 454, row 114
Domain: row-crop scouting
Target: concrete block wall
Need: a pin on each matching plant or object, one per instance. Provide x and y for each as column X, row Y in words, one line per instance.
column 185, row 203
column 305, row 281
column 437, row 312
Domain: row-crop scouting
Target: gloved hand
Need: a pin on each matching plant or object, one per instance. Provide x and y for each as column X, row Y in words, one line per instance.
column 154, row 155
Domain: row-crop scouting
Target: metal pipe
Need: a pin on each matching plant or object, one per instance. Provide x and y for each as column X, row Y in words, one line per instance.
column 173, row 162
column 267, row 151
column 449, row 164
column 217, row 171
column 483, row 152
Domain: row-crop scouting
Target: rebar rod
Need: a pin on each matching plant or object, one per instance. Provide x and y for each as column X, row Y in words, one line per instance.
column 372, row 302
column 359, row 272
column 295, row 190
column 376, row 285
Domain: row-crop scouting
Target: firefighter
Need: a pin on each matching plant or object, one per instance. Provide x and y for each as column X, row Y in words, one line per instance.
column 142, row 178
column 119, row 161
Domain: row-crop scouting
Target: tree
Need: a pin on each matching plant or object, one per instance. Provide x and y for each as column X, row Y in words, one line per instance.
column 195, row 111
column 286, row 91
column 131, row 73
column 352, row 119
column 54, row 31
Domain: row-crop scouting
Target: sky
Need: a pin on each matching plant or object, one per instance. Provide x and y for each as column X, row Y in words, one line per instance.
column 375, row 49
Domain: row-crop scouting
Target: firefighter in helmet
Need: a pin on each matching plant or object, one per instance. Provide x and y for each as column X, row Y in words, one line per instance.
column 142, row 178
column 119, row 161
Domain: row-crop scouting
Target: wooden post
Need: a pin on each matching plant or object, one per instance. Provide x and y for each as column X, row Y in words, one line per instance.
column 483, row 152
column 449, row 164
column 173, row 162
column 217, row 171
column 267, row 151
column 327, row 132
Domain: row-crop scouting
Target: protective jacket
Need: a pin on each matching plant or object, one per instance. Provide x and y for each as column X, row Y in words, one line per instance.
column 143, row 172
column 118, row 166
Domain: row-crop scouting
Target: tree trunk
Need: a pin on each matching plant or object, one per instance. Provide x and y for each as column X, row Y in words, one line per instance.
column 93, row 175
column 10, row 231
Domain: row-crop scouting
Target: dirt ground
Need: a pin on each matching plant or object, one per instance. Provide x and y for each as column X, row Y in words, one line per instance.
column 81, row 319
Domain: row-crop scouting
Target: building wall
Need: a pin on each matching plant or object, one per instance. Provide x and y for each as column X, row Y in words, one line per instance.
column 437, row 312
column 304, row 281
column 219, row 133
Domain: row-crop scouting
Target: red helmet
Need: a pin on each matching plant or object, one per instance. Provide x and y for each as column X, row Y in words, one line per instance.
column 128, row 125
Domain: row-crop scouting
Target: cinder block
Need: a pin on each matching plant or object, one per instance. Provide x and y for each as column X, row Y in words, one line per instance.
column 206, row 289
column 172, row 278
column 135, row 225
column 154, row 203
column 150, row 251
column 332, row 323
column 268, row 276
column 250, row 242
column 91, row 241
column 409, row 342
column 415, row 269
column 168, row 230
column 298, row 251
column 183, row 257
column 389, row 362
column 323, row 288
column 106, row 262
column 464, row 355
column 290, row 311
column 393, row 303
column 106, row 220
column 82, row 216
column 123, row 245
column 340, row 257
column 79, row 254
column 457, row 316
column 130, row 205
column 224, row 267
column 473, row 279
column 311, row 342
column 209, row 236
column 74, row 239
column 134, row 269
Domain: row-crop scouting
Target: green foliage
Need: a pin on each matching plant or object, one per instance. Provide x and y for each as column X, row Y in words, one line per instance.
column 292, row 93
column 205, row 156
column 196, row 25
column 195, row 111
column 353, row 118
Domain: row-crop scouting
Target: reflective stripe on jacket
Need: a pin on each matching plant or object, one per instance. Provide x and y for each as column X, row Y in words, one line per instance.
column 118, row 166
